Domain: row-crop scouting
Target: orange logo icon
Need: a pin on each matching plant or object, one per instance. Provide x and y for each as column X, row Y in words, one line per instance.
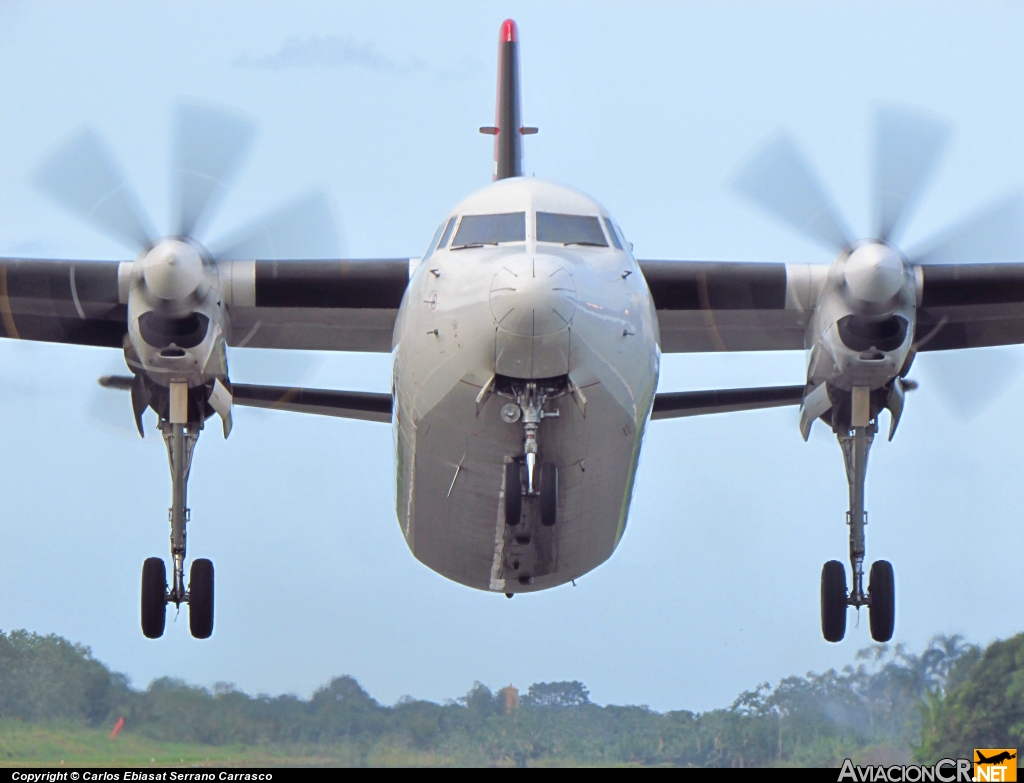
column 995, row 764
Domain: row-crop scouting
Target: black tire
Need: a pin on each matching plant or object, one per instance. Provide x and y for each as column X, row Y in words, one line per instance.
column 882, row 600
column 200, row 598
column 833, row 601
column 513, row 493
column 548, row 494
column 154, row 597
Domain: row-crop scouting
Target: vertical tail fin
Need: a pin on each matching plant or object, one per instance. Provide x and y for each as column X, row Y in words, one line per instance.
column 508, row 129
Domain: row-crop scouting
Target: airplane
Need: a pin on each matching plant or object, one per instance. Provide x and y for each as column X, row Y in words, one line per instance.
column 996, row 759
column 526, row 342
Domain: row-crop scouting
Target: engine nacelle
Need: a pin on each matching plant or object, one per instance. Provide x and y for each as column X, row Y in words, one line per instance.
column 863, row 326
column 176, row 315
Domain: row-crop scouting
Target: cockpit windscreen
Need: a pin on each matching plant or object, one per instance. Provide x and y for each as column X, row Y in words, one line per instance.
column 490, row 229
column 570, row 229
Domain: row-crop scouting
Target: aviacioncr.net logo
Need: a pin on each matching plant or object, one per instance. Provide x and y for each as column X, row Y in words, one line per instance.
column 945, row 771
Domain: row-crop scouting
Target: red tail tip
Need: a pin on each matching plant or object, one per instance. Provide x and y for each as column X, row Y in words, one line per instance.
column 509, row 31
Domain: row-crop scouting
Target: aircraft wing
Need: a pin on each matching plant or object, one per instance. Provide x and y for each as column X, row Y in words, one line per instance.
column 53, row 301
column 725, row 306
column 351, row 304
column 970, row 306
column 348, row 305
column 742, row 306
column 337, row 305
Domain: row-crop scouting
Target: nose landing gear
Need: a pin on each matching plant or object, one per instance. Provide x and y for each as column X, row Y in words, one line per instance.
column 855, row 440
column 530, row 398
column 180, row 437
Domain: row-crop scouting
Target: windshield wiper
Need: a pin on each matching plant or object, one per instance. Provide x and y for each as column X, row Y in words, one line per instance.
column 472, row 244
column 584, row 243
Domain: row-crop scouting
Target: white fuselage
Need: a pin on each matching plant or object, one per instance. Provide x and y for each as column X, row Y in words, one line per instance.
column 476, row 317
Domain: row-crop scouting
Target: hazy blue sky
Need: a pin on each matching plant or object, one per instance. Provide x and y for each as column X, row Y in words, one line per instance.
column 648, row 107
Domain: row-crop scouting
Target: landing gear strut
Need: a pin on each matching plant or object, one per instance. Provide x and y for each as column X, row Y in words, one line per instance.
column 856, row 440
column 180, row 437
column 181, row 441
column 856, row 445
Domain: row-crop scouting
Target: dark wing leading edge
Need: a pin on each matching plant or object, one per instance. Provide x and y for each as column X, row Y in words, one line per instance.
column 348, row 305
column 722, row 306
column 74, row 302
column 970, row 306
column 334, row 305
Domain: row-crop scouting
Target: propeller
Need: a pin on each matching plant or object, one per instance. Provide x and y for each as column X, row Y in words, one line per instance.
column 969, row 381
column 108, row 413
column 780, row 181
column 908, row 147
column 84, row 178
column 209, row 148
column 301, row 228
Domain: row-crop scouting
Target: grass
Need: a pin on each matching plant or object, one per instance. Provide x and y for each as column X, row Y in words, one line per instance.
column 67, row 744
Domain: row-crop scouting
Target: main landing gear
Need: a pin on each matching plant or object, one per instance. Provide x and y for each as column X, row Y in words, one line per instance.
column 541, row 480
column 855, row 439
column 180, row 436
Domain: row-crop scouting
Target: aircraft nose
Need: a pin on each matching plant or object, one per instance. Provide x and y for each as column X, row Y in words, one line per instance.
column 533, row 296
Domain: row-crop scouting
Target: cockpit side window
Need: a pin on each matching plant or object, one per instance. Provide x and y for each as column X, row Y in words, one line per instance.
column 476, row 230
column 612, row 233
column 447, row 233
column 626, row 242
column 570, row 229
column 433, row 242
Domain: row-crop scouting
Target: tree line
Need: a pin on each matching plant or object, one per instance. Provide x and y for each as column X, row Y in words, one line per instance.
column 951, row 697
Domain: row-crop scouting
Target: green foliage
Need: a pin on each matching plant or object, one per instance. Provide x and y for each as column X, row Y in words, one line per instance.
column 47, row 677
column 557, row 694
column 950, row 696
column 983, row 706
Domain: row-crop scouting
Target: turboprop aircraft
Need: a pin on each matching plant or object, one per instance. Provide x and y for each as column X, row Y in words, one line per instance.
column 526, row 341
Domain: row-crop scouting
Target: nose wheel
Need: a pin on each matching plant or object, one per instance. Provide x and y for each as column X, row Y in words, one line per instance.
column 180, row 437
column 513, row 493
column 546, row 492
column 880, row 596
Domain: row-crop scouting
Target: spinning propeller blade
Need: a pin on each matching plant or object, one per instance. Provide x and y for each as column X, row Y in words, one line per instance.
column 210, row 146
column 304, row 228
column 84, row 178
column 108, row 412
column 908, row 146
column 779, row 180
column 993, row 234
column 970, row 381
